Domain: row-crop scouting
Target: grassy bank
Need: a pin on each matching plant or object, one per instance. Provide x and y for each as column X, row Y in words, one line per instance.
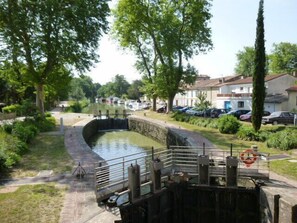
column 32, row 203
column 46, row 152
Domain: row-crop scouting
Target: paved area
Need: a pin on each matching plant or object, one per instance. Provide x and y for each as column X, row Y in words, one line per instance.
column 80, row 203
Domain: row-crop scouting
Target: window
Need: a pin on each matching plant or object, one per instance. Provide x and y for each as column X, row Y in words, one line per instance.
column 240, row 104
column 241, row 88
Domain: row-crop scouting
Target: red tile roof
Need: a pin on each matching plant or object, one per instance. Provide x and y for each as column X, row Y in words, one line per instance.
column 249, row 80
column 293, row 88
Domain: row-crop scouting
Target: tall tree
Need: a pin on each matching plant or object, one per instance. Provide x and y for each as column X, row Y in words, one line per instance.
column 134, row 91
column 120, row 85
column 50, row 34
column 259, row 71
column 164, row 34
column 283, row 58
column 245, row 61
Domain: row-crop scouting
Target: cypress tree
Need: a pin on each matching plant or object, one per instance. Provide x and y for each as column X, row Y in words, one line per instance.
column 259, row 71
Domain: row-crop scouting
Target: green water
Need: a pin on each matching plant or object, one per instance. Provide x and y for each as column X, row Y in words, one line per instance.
column 115, row 144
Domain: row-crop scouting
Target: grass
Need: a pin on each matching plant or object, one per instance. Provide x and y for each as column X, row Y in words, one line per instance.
column 285, row 168
column 46, row 152
column 32, row 203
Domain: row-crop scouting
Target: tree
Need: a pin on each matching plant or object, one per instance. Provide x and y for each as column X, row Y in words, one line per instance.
column 164, row 34
column 259, row 71
column 120, row 85
column 283, row 58
column 50, row 34
column 203, row 103
column 245, row 61
column 134, row 90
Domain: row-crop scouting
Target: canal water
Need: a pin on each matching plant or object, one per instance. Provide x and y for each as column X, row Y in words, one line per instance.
column 115, row 144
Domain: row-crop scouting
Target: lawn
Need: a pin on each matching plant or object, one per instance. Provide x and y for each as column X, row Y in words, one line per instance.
column 32, row 203
column 46, row 152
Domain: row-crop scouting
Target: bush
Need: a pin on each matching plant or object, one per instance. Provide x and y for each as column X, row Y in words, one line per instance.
column 228, row 124
column 24, row 131
column 284, row 140
column 16, row 108
column 249, row 134
column 10, row 150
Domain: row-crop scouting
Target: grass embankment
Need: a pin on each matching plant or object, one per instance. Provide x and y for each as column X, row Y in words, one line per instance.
column 32, row 203
column 37, row 203
column 46, row 152
column 223, row 141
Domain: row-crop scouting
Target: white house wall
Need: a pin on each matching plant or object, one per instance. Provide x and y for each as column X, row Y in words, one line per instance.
column 279, row 85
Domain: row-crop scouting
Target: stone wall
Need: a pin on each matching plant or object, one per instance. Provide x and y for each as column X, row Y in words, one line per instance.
column 278, row 203
column 157, row 132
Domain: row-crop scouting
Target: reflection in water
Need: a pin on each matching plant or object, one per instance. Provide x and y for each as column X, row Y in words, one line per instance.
column 114, row 144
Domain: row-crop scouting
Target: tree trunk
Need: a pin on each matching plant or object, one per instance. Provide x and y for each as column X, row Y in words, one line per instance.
column 154, row 103
column 170, row 103
column 40, row 98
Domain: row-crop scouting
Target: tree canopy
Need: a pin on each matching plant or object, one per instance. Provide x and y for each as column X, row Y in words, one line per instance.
column 245, row 61
column 283, row 58
column 50, row 35
column 164, row 34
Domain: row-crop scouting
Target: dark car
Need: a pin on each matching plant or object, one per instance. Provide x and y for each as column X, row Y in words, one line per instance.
column 184, row 109
column 279, row 117
column 248, row 116
column 214, row 113
column 236, row 113
column 177, row 108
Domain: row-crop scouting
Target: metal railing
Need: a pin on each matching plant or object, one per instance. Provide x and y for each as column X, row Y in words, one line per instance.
column 112, row 175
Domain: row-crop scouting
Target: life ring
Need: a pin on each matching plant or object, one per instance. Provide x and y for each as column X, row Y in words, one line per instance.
column 248, row 157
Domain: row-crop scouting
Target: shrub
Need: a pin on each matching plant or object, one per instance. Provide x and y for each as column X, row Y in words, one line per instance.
column 228, row 124
column 16, row 108
column 249, row 134
column 284, row 140
column 10, row 150
column 24, row 131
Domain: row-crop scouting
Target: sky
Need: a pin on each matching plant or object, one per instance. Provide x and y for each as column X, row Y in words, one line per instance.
column 233, row 25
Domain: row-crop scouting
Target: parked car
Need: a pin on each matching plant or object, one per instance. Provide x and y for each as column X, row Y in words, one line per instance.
column 236, row 113
column 184, row 109
column 248, row 116
column 205, row 113
column 279, row 117
column 215, row 112
column 194, row 111
column 177, row 108
column 161, row 109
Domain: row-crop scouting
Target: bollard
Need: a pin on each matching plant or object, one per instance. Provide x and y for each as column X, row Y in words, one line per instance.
column 156, row 166
column 231, row 171
column 203, row 170
column 61, row 126
column 134, row 182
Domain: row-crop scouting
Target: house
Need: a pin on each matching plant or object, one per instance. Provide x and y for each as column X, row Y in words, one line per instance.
column 235, row 92
column 292, row 95
column 205, row 85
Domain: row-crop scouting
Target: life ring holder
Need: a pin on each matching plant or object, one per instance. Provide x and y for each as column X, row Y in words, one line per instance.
column 248, row 157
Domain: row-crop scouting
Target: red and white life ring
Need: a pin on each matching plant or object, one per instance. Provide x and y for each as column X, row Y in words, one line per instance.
column 248, row 157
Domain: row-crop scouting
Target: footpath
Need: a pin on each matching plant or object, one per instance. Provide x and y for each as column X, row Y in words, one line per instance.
column 80, row 204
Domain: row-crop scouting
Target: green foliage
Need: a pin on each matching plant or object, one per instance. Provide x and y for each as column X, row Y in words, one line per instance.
column 202, row 122
column 10, row 150
column 283, row 140
column 259, row 73
column 63, row 37
column 164, row 35
column 228, row 124
column 283, row 58
column 24, row 131
column 202, row 102
column 16, row 108
column 249, row 134
column 245, row 61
